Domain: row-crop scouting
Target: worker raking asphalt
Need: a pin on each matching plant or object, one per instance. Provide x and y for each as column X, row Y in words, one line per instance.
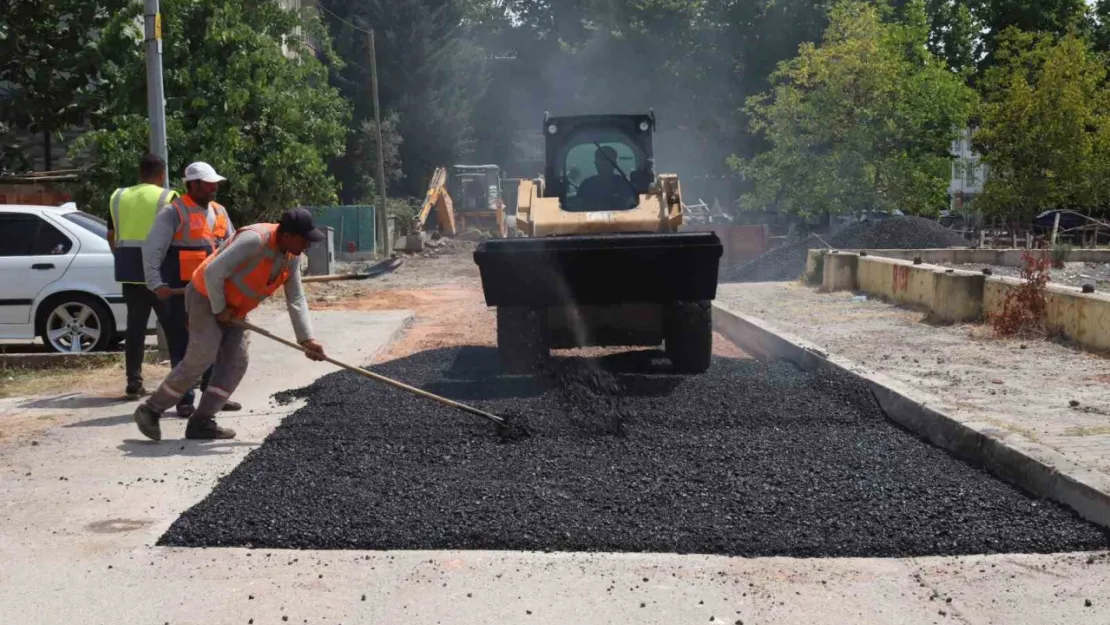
column 751, row 458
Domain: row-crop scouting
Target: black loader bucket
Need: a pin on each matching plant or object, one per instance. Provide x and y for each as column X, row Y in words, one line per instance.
column 599, row 270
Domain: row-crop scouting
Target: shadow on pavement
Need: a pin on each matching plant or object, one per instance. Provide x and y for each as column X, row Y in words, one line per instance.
column 135, row 448
column 101, row 422
column 73, row 401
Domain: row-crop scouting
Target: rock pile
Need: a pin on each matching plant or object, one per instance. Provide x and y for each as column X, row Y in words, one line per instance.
column 788, row 262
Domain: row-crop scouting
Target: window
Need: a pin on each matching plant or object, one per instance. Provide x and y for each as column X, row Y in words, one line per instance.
column 17, row 233
column 599, row 166
column 93, row 224
column 22, row 234
column 50, row 241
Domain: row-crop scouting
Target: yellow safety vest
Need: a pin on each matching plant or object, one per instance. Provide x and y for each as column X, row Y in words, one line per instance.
column 133, row 212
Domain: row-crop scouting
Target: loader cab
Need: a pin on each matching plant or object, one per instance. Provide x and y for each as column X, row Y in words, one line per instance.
column 475, row 188
column 599, row 162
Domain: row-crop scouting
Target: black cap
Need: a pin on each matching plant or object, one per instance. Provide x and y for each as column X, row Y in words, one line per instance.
column 299, row 221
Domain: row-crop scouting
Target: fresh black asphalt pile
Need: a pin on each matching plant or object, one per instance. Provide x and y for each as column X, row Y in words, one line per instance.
column 789, row 261
column 751, row 458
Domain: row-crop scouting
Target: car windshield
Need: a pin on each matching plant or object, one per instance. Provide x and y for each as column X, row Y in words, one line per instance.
column 92, row 223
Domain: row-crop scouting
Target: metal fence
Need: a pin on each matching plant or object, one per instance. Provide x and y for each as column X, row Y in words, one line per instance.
column 352, row 225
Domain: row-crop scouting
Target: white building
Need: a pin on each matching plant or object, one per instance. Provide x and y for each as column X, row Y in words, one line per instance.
column 968, row 173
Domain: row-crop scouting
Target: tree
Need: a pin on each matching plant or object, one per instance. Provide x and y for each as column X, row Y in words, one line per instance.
column 1048, row 16
column 51, row 55
column 863, row 121
column 1045, row 133
column 267, row 122
column 429, row 76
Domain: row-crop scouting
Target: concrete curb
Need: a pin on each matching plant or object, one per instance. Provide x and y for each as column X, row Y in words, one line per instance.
column 54, row 360
column 1031, row 466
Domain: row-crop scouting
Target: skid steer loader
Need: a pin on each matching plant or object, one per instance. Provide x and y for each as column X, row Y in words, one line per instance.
column 601, row 262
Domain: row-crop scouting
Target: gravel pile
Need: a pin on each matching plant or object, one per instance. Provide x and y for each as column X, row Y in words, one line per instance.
column 789, row 261
column 750, row 459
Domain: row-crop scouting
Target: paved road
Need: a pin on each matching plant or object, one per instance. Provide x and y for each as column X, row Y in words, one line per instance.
column 76, row 538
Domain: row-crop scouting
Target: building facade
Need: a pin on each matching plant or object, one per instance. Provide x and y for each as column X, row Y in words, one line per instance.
column 968, row 173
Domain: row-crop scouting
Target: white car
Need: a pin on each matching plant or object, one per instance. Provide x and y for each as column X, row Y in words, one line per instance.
column 57, row 279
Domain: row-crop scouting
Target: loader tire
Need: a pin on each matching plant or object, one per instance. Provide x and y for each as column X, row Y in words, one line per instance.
column 521, row 339
column 689, row 338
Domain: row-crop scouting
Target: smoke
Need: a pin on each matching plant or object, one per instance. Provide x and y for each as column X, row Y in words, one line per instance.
column 622, row 72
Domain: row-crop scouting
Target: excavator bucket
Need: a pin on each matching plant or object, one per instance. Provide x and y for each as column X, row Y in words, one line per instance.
column 599, row 270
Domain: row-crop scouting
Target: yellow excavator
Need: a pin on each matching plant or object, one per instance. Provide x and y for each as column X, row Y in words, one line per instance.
column 468, row 199
column 602, row 262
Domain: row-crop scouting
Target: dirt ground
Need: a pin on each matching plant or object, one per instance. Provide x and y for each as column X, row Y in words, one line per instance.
column 444, row 292
column 1025, row 387
column 1072, row 274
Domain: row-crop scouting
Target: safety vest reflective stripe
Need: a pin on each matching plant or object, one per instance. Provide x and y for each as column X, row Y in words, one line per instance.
column 133, row 211
column 196, row 229
column 121, row 239
column 256, row 278
column 270, row 255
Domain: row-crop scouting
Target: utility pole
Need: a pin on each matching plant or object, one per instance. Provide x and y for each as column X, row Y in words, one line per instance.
column 381, row 221
column 155, row 96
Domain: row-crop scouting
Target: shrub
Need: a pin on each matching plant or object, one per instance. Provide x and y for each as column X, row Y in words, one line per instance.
column 1023, row 312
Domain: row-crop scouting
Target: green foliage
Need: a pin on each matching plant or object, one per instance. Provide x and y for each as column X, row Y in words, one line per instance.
column 863, row 121
column 1045, row 134
column 359, row 165
column 430, row 79
column 1061, row 252
column 267, row 122
column 51, row 57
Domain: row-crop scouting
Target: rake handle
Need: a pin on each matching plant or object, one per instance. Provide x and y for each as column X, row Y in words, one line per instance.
column 380, row 378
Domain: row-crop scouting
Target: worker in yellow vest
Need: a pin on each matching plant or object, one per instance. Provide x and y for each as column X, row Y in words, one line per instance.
column 133, row 210
column 226, row 287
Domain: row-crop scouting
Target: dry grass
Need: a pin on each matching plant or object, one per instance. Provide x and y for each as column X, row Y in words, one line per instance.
column 105, row 380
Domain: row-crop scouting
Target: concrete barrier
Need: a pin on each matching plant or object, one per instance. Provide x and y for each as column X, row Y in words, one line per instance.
column 1028, row 465
column 1081, row 317
column 967, row 256
column 840, row 272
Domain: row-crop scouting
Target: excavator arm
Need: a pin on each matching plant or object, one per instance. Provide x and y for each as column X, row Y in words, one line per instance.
column 438, row 199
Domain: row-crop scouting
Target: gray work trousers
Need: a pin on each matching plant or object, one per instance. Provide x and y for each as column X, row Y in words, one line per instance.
column 210, row 345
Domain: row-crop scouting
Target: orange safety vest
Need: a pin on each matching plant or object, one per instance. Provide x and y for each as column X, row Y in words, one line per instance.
column 195, row 239
column 256, row 278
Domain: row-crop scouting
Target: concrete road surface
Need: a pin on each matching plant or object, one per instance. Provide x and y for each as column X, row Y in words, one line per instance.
column 81, row 510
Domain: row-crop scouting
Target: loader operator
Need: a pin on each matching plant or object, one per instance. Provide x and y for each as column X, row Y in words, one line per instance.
column 608, row 190
column 245, row 271
column 184, row 234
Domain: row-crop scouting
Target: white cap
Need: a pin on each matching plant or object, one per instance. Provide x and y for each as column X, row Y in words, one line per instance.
column 202, row 171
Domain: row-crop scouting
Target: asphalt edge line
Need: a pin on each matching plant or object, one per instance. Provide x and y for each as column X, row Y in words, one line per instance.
column 1035, row 468
column 399, row 333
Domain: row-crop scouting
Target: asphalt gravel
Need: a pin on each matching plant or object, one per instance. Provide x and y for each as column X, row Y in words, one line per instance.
column 788, row 262
column 751, row 459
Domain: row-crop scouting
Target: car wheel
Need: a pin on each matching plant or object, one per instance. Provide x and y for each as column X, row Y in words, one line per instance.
column 76, row 324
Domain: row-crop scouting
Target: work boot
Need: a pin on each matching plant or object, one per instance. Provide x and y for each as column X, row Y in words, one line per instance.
column 147, row 420
column 205, row 428
column 231, row 406
column 185, row 410
column 135, row 391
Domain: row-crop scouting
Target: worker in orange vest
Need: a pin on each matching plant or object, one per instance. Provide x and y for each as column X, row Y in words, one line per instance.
column 184, row 234
column 228, row 285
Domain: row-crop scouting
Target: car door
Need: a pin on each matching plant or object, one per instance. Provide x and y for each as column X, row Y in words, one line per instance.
column 33, row 254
